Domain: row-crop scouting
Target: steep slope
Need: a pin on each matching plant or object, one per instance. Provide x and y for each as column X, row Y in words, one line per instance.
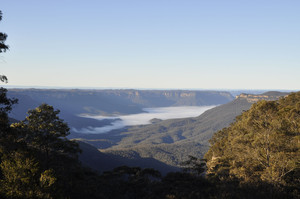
column 98, row 161
column 171, row 141
column 263, row 145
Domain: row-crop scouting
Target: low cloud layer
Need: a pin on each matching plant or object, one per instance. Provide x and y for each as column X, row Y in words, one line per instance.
column 163, row 113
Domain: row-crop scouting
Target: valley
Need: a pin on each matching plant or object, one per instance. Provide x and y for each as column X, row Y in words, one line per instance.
column 75, row 102
column 149, row 100
column 161, row 143
column 149, row 115
column 172, row 141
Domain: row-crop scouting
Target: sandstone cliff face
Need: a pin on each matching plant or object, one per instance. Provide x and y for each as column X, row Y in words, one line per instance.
column 112, row 101
column 269, row 96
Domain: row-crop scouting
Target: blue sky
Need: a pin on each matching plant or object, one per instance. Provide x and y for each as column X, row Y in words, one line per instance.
column 217, row 44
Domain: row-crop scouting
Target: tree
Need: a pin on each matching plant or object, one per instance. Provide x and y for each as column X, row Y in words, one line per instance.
column 3, row 48
column 5, row 130
column 36, row 158
column 194, row 166
column 5, row 103
column 23, row 178
column 41, row 139
column 44, row 131
column 263, row 145
column 3, row 36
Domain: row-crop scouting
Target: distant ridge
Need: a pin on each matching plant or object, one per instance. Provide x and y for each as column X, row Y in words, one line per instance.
column 73, row 102
column 171, row 141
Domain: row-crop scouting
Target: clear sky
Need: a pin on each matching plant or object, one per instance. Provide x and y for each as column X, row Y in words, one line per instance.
column 208, row 44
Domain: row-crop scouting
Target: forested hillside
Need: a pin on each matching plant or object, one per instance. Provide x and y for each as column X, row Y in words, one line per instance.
column 172, row 141
column 262, row 145
column 256, row 157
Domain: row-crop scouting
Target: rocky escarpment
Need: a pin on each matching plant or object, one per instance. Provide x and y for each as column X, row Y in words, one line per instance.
column 269, row 96
column 110, row 101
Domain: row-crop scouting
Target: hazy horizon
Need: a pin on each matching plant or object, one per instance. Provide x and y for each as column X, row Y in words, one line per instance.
column 152, row 44
column 137, row 88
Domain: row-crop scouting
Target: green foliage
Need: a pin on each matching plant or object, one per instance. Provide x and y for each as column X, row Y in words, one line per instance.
column 44, row 131
column 194, row 165
column 43, row 164
column 3, row 37
column 19, row 176
column 5, row 131
column 37, row 160
column 47, row 179
column 263, row 145
column 3, row 48
column 5, row 107
column 22, row 177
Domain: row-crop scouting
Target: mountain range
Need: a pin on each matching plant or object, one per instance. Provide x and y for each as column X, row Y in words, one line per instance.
column 172, row 141
column 162, row 145
column 75, row 102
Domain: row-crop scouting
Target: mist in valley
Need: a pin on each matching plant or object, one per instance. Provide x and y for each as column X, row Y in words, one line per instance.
column 161, row 113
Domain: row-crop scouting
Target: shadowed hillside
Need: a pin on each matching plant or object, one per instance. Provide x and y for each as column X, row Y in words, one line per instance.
column 171, row 141
column 98, row 161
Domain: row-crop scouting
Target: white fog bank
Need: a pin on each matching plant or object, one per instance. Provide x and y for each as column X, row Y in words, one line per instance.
column 162, row 113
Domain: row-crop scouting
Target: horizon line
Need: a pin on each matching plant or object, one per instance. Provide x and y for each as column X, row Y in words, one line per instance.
column 137, row 88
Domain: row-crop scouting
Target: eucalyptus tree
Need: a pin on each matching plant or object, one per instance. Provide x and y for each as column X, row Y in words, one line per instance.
column 263, row 145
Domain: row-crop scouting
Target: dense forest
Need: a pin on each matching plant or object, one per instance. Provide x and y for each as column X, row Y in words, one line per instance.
column 263, row 145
